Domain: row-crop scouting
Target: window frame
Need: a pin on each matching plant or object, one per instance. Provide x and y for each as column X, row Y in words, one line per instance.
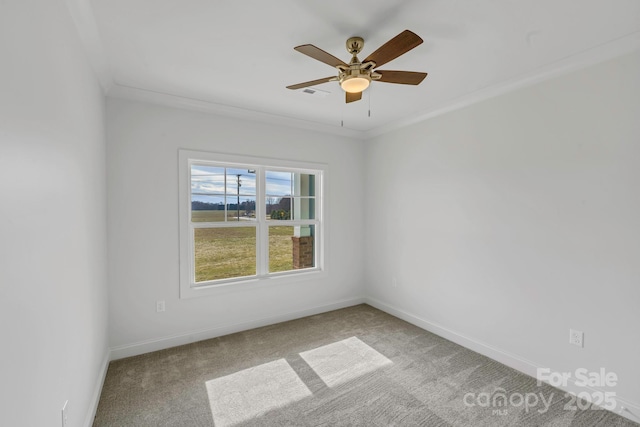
column 188, row 287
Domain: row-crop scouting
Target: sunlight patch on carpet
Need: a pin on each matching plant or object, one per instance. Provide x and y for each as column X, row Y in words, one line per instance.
column 253, row 392
column 344, row 361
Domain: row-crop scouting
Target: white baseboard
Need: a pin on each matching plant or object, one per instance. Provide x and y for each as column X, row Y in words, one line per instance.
column 148, row 346
column 95, row 398
column 624, row 407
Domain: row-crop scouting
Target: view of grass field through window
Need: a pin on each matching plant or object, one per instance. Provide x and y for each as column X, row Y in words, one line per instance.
column 228, row 195
column 280, row 249
column 222, row 253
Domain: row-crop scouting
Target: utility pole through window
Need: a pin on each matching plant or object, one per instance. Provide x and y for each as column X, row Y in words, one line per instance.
column 239, row 185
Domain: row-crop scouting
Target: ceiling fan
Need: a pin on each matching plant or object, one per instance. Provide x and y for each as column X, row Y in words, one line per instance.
column 356, row 76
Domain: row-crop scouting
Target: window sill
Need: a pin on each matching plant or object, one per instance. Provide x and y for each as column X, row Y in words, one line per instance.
column 250, row 283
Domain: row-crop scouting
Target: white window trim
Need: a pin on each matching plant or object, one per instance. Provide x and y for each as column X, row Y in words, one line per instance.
column 188, row 287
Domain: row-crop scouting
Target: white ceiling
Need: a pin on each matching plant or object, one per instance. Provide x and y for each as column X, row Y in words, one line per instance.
column 239, row 55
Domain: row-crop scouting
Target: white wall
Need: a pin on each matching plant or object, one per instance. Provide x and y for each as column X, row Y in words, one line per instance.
column 53, row 320
column 511, row 221
column 142, row 153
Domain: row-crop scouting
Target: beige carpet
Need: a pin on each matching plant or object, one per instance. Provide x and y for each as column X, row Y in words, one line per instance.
column 352, row 367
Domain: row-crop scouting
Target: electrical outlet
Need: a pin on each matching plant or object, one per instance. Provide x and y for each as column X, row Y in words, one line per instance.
column 65, row 421
column 159, row 306
column 576, row 338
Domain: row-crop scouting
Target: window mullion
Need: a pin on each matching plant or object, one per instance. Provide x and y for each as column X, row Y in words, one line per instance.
column 263, row 231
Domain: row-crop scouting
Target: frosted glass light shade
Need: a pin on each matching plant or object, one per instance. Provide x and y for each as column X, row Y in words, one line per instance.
column 354, row 84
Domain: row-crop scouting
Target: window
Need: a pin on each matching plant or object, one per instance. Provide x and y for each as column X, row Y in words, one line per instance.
column 247, row 220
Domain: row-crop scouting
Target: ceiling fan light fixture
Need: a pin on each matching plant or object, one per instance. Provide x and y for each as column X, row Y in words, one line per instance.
column 355, row 84
column 356, row 76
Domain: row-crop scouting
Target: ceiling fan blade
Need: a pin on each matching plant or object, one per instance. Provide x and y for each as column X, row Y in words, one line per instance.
column 401, row 77
column 312, row 83
column 351, row 97
column 399, row 45
column 320, row 55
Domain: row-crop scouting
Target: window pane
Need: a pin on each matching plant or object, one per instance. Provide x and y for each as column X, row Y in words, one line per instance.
column 278, row 184
column 291, row 248
column 304, row 185
column 242, row 181
column 304, row 208
column 280, row 249
column 207, row 208
column 222, row 253
column 244, row 211
column 278, row 208
column 206, row 180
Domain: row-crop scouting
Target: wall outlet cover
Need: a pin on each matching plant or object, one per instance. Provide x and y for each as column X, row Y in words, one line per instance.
column 576, row 337
column 65, row 409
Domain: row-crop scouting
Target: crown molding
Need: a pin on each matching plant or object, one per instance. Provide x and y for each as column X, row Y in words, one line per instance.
column 168, row 100
column 87, row 28
column 604, row 52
